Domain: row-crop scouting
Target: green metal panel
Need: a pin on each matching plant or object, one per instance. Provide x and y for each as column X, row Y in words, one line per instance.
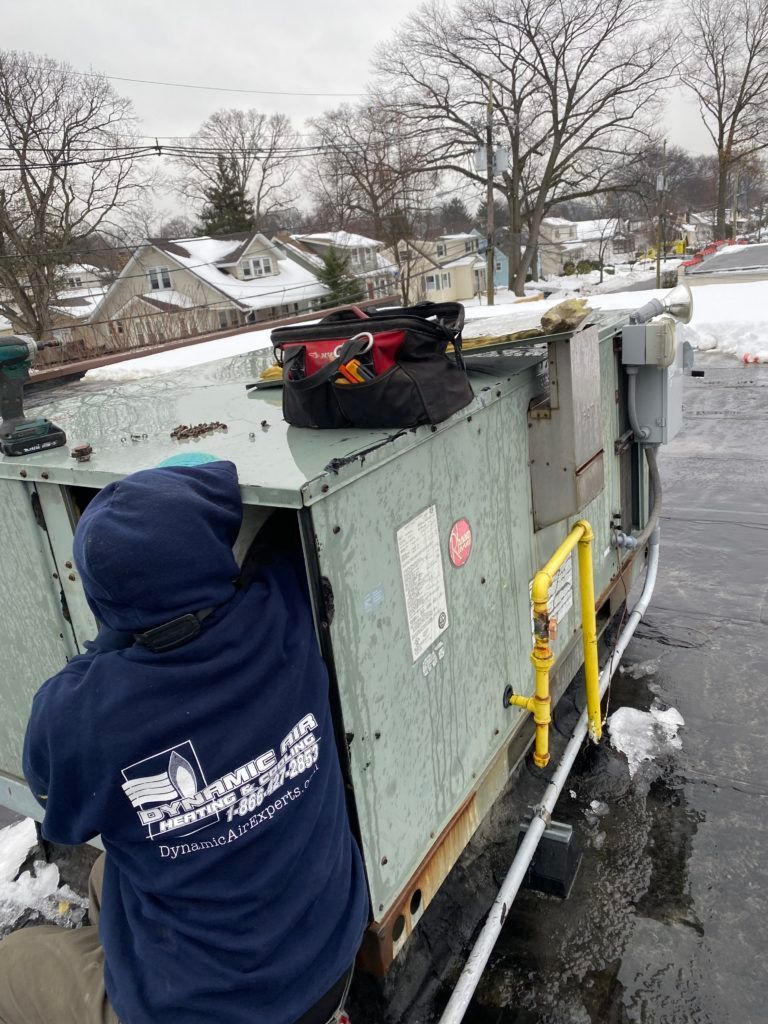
column 424, row 730
column 35, row 641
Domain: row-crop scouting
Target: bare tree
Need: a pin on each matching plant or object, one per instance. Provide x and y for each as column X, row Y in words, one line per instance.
column 68, row 165
column 260, row 148
column 571, row 83
column 726, row 66
column 370, row 170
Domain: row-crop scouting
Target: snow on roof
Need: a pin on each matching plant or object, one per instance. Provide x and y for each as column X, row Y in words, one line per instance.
column 340, row 239
column 79, row 302
column 595, row 230
column 291, row 283
column 208, row 250
column 169, row 297
column 461, row 235
column 557, row 222
column 472, row 259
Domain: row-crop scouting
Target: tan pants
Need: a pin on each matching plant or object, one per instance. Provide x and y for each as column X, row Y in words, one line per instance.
column 51, row 975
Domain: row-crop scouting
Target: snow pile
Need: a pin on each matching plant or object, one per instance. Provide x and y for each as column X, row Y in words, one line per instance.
column 181, row 358
column 640, row 669
column 730, row 319
column 38, row 890
column 645, row 735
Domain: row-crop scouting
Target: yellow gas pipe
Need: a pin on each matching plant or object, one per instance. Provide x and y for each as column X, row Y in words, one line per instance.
column 542, row 656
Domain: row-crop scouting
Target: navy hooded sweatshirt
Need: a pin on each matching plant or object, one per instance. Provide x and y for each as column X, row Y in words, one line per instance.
column 234, row 892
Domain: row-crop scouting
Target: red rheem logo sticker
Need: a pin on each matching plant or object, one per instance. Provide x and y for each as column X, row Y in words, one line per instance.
column 460, row 543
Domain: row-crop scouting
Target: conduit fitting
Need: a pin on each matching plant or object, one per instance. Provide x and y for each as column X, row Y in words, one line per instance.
column 619, row 539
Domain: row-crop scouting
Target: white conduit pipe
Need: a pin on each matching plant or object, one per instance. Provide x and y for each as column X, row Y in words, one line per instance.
column 483, row 947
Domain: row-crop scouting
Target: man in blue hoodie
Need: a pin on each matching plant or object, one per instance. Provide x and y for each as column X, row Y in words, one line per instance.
column 195, row 737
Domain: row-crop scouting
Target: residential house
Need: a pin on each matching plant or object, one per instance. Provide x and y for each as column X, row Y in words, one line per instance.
column 177, row 288
column 449, row 268
column 365, row 257
column 565, row 241
column 79, row 292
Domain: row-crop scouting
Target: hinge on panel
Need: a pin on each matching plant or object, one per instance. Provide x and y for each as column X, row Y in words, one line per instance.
column 621, row 444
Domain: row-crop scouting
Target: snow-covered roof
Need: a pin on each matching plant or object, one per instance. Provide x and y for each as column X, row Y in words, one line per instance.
column 81, row 268
column 169, row 297
column 596, row 230
column 472, row 259
column 557, row 222
column 79, row 302
column 340, row 240
column 291, row 283
column 206, row 257
column 461, row 235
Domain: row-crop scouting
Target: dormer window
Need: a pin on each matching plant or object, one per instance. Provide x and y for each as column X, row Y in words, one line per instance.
column 159, row 277
column 470, row 245
column 75, row 282
column 257, row 267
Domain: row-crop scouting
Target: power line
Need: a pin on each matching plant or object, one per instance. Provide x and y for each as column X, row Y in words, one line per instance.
column 207, row 88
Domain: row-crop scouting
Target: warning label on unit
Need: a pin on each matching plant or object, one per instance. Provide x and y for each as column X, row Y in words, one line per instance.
column 560, row 593
column 421, row 565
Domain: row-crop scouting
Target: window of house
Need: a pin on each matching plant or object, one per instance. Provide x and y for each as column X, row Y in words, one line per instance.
column 159, row 277
column 75, row 282
column 433, row 282
column 222, row 318
column 403, row 254
column 120, row 328
column 470, row 245
column 446, row 280
column 259, row 266
column 440, row 250
column 498, row 264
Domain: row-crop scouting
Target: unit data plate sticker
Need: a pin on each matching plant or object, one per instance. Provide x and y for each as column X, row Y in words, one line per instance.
column 421, row 566
column 560, row 593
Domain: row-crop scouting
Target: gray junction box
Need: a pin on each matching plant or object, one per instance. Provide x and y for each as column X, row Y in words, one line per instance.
column 420, row 546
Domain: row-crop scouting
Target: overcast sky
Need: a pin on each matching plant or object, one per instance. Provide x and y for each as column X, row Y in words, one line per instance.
column 313, row 46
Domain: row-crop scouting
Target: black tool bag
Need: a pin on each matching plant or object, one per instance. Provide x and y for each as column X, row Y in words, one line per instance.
column 409, row 378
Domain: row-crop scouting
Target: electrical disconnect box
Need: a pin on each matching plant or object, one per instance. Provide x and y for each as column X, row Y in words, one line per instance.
column 660, row 358
column 565, row 432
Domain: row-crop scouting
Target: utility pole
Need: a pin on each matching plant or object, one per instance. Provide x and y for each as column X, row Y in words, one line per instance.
column 661, row 184
column 735, row 217
column 489, row 227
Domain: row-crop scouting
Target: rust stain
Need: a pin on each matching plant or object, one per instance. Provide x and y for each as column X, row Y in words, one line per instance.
column 385, row 937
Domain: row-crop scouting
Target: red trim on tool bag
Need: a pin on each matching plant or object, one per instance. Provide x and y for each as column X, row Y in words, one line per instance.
column 386, row 345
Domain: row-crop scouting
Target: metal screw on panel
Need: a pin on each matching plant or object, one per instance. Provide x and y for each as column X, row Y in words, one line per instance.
column 67, row 565
column 22, row 472
column 324, row 488
column 44, row 476
column 72, row 577
column 383, row 860
column 337, row 529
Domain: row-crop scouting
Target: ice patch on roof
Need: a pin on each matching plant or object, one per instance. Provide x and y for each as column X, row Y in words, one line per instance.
column 645, row 735
column 37, row 891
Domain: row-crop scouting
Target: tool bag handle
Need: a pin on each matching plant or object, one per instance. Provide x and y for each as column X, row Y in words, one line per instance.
column 355, row 346
column 449, row 314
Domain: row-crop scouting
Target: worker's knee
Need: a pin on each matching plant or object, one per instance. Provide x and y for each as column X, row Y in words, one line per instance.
column 53, row 974
column 22, row 955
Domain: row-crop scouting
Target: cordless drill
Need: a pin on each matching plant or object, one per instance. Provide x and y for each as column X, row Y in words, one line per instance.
column 19, row 435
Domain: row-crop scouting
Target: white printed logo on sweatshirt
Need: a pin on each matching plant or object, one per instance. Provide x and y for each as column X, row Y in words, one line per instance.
column 171, row 795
